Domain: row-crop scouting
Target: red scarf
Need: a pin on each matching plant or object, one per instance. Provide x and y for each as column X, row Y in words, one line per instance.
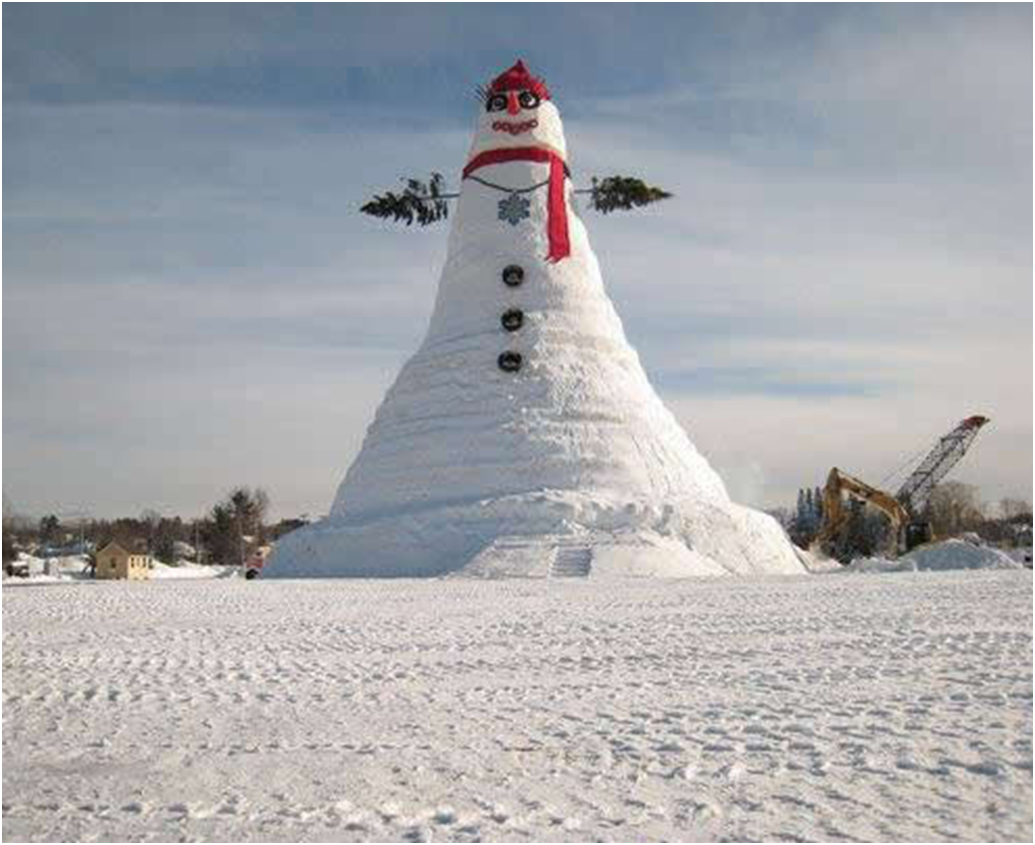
column 557, row 213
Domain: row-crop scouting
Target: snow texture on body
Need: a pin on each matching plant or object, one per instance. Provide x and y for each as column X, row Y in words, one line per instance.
column 824, row 707
column 576, row 444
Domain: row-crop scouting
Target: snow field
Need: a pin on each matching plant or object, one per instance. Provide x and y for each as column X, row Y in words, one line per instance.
column 837, row 707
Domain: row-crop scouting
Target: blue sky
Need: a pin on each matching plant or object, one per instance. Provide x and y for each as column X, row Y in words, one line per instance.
column 192, row 300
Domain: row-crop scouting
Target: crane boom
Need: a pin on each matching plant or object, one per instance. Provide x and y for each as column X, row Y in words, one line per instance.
column 943, row 457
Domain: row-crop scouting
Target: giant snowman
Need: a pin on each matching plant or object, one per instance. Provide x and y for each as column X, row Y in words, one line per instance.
column 523, row 437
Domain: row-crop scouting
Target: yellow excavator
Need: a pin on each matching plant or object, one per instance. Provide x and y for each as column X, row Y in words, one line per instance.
column 904, row 509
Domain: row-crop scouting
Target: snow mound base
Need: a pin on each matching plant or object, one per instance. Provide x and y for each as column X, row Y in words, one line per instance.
column 521, row 536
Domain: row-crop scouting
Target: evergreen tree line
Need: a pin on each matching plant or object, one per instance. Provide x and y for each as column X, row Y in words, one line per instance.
column 8, row 545
column 808, row 516
column 9, row 552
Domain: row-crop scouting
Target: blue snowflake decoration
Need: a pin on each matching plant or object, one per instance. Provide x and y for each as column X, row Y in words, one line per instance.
column 514, row 209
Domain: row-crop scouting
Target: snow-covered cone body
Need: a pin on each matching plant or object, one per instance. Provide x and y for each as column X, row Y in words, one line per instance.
column 524, row 432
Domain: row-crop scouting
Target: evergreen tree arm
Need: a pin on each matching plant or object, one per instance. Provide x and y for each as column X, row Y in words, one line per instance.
column 420, row 201
column 622, row 193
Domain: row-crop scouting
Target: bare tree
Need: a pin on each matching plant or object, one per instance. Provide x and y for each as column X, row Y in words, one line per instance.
column 954, row 507
column 1010, row 508
column 151, row 520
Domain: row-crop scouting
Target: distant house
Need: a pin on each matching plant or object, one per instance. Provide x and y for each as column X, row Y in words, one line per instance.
column 116, row 562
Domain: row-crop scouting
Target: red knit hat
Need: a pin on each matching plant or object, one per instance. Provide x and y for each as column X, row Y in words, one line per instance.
column 518, row 78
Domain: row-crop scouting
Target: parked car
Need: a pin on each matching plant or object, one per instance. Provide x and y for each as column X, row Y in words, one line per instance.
column 17, row 568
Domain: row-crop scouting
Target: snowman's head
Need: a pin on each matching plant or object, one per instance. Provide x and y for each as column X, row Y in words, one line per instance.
column 516, row 111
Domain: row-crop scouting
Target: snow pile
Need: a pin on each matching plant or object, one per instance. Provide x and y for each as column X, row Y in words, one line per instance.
column 939, row 557
column 52, row 571
column 30, row 563
column 576, row 445
column 817, row 561
column 185, row 569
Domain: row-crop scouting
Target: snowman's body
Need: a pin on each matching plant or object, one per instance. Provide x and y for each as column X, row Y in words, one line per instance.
column 525, row 423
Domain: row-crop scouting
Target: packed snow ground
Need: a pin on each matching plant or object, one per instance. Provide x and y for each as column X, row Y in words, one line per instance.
column 870, row 706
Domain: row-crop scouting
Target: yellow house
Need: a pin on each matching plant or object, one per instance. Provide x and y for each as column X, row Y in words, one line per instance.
column 113, row 561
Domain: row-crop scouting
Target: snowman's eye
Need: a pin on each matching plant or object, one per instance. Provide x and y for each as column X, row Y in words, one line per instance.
column 497, row 102
column 528, row 99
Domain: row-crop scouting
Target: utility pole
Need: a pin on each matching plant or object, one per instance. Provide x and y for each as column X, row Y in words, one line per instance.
column 80, row 514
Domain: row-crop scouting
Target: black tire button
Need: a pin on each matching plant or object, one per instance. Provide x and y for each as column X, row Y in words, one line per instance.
column 513, row 275
column 509, row 362
column 513, row 319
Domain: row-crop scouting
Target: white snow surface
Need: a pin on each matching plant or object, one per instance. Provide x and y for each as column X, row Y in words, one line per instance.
column 871, row 707
column 940, row 557
column 576, row 445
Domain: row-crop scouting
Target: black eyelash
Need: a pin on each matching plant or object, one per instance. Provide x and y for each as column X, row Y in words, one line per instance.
column 481, row 93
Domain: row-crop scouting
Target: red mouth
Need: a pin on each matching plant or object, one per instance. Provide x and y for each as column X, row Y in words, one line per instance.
column 515, row 128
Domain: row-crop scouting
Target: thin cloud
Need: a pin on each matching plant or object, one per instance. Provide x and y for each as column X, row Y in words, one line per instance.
column 834, row 283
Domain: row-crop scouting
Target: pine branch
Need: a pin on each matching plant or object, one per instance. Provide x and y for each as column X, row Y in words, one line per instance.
column 623, row 193
column 424, row 202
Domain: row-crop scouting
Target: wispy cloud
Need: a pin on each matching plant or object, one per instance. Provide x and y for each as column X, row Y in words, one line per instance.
column 193, row 301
